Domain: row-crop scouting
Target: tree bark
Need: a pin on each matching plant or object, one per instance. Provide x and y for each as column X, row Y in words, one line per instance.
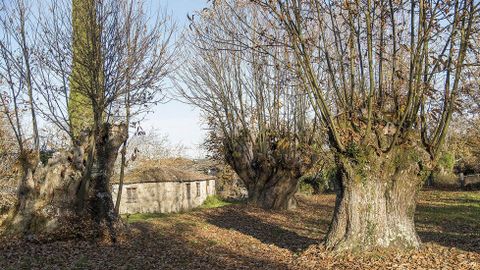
column 100, row 198
column 271, row 183
column 275, row 192
column 123, row 164
column 48, row 196
column 23, row 211
column 375, row 203
column 269, row 169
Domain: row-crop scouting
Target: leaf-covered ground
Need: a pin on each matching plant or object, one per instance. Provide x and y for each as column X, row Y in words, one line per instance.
column 239, row 237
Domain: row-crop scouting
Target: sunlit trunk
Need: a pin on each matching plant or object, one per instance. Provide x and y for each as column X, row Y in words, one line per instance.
column 100, row 198
column 48, row 196
column 375, row 203
column 271, row 183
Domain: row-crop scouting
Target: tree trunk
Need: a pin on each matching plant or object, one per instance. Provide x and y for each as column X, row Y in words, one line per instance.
column 269, row 170
column 48, row 196
column 375, row 203
column 100, row 198
column 123, row 164
column 23, row 212
column 276, row 192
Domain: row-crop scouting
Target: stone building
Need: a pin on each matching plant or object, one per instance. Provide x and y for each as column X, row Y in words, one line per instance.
column 470, row 182
column 165, row 186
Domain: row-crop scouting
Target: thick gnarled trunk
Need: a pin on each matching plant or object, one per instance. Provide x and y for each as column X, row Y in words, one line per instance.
column 271, row 178
column 48, row 196
column 273, row 192
column 375, row 203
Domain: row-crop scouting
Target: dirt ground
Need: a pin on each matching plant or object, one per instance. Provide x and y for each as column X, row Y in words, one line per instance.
column 241, row 237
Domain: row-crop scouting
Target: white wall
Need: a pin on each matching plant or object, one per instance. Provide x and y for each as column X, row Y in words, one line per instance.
column 163, row 197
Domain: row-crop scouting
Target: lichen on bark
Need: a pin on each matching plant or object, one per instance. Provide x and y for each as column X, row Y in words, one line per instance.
column 376, row 196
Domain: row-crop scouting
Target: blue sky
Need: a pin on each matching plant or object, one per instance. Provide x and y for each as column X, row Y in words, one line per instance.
column 181, row 122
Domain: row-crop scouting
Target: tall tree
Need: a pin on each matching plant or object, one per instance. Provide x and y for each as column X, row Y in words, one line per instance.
column 384, row 77
column 103, row 64
column 260, row 120
column 17, row 83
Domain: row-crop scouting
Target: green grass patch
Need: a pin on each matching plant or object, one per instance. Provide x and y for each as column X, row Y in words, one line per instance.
column 452, row 198
column 211, row 202
column 140, row 217
column 457, row 209
column 214, row 202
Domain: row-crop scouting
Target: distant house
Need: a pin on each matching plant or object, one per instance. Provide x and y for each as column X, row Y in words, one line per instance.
column 470, row 181
column 165, row 186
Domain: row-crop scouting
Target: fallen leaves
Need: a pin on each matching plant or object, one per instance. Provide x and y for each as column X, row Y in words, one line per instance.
column 241, row 237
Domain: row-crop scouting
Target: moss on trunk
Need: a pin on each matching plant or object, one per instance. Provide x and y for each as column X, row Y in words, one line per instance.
column 276, row 192
column 376, row 195
column 86, row 76
column 271, row 177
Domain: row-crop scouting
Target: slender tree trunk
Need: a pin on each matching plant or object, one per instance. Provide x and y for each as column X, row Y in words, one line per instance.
column 375, row 203
column 28, row 77
column 123, row 152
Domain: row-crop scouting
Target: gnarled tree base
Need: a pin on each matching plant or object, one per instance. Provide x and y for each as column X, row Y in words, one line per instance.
column 375, row 203
column 48, row 197
column 276, row 194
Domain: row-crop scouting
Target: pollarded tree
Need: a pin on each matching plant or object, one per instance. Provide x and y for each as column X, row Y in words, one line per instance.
column 259, row 117
column 384, row 76
column 120, row 63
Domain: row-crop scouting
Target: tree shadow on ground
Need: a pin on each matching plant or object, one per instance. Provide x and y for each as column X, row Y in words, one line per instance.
column 238, row 219
column 200, row 253
column 147, row 247
column 452, row 226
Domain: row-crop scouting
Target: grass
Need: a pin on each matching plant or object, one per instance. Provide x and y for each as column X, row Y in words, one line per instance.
column 210, row 202
column 449, row 208
column 214, row 202
column 460, row 198
column 141, row 217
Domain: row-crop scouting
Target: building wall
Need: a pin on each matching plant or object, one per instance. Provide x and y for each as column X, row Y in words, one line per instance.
column 471, row 179
column 163, row 197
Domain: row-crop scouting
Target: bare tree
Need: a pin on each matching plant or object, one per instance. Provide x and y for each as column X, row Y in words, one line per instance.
column 124, row 57
column 384, row 78
column 259, row 117
column 18, row 86
column 153, row 145
column 8, row 165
